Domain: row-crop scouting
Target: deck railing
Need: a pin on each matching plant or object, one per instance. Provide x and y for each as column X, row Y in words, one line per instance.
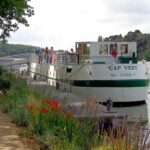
column 57, row 59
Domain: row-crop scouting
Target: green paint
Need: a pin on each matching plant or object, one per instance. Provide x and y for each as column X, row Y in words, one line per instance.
column 111, row 83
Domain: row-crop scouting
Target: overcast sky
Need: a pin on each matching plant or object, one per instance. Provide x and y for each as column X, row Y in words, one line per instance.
column 61, row 23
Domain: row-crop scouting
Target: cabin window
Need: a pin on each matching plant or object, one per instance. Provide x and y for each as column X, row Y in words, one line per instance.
column 124, row 48
column 104, row 49
column 83, row 48
column 113, row 47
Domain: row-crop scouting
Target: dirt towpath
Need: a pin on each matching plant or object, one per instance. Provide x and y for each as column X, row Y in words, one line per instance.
column 9, row 138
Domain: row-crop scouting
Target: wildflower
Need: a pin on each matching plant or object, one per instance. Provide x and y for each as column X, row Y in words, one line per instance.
column 56, row 109
column 47, row 101
column 44, row 110
column 30, row 107
column 52, row 103
column 68, row 115
column 37, row 107
column 42, row 101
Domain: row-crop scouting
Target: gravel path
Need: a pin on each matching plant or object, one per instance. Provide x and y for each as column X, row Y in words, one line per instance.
column 9, row 138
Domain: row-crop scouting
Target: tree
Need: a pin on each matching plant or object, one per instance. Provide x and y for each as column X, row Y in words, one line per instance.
column 100, row 39
column 12, row 13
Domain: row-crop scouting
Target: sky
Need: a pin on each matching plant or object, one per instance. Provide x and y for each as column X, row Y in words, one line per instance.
column 61, row 23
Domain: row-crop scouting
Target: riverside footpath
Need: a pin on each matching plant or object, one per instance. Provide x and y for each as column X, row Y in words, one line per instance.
column 9, row 134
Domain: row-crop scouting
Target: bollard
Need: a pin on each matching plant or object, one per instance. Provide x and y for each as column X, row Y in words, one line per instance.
column 57, row 85
column 109, row 104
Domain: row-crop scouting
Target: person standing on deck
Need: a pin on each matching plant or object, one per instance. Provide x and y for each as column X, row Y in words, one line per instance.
column 114, row 52
column 37, row 51
column 46, row 55
column 52, row 56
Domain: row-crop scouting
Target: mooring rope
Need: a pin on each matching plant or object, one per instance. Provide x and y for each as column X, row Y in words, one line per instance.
column 76, row 71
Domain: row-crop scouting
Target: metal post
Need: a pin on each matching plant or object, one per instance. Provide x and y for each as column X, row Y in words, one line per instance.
column 109, row 104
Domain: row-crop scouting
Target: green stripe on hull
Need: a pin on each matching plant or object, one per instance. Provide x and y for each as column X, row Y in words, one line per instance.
column 110, row 83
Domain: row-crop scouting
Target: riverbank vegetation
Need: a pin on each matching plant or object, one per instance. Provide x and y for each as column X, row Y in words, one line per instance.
column 13, row 49
column 53, row 127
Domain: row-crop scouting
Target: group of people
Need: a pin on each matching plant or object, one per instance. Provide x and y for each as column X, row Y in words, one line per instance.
column 46, row 55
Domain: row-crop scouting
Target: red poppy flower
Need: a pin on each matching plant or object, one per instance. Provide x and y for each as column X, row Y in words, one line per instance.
column 56, row 109
column 53, row 103
column 47, row 101
column 44, row 110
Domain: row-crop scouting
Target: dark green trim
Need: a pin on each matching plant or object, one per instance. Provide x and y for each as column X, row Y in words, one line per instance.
column 127, row 59
column 98, row 62
column 110, row 83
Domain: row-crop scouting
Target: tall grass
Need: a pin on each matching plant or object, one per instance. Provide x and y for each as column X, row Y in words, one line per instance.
column 126, row 136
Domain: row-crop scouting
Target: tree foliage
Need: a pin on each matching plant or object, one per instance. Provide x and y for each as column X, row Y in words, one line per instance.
column 12, row 13
column 13, row 49
column 4, row 83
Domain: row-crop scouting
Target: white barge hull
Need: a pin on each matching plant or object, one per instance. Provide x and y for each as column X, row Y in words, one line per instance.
column 123, row 83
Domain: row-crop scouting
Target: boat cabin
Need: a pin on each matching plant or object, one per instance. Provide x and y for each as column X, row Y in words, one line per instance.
column 105, row 52
column 94, row 52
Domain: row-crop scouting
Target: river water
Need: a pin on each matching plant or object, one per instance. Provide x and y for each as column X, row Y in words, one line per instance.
column 136, row 112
